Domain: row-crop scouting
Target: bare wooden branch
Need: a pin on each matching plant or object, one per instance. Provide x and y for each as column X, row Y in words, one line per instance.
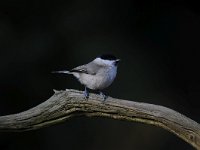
column 66, row 104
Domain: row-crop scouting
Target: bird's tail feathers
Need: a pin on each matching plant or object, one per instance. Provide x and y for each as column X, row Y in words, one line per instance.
column 64, row 71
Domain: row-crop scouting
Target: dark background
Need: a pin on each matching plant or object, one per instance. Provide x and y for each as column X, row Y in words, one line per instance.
column 158, row 43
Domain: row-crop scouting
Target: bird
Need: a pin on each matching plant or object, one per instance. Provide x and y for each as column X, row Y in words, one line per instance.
column 97, row 74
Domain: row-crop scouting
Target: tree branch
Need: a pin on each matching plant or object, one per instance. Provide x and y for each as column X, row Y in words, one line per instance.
column 66, row 104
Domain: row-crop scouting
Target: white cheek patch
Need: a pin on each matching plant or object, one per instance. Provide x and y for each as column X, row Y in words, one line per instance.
column 104, row 62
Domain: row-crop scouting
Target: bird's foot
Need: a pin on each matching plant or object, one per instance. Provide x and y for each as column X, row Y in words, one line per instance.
column 103, row 95
column 86, row 94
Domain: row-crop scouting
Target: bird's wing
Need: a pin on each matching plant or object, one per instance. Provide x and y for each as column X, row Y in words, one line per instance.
column 88, row 69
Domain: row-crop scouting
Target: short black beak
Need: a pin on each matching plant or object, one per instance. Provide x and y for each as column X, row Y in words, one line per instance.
column 117, row 61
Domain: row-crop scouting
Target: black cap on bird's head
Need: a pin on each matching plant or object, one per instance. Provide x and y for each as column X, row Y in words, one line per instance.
column 109, row 57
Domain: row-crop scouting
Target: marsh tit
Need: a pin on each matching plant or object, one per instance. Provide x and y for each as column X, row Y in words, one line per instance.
column 97, row 74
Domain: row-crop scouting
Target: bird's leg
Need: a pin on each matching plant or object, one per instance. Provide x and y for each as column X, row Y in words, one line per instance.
column 86, row 93
column 102, row 95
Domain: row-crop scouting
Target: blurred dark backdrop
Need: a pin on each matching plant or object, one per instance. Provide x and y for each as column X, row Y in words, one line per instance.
column 158, row 43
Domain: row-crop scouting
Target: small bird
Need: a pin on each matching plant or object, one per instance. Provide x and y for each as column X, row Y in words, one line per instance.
column 97, row 74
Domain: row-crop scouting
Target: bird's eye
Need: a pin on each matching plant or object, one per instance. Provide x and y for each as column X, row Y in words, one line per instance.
column 116, row 63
